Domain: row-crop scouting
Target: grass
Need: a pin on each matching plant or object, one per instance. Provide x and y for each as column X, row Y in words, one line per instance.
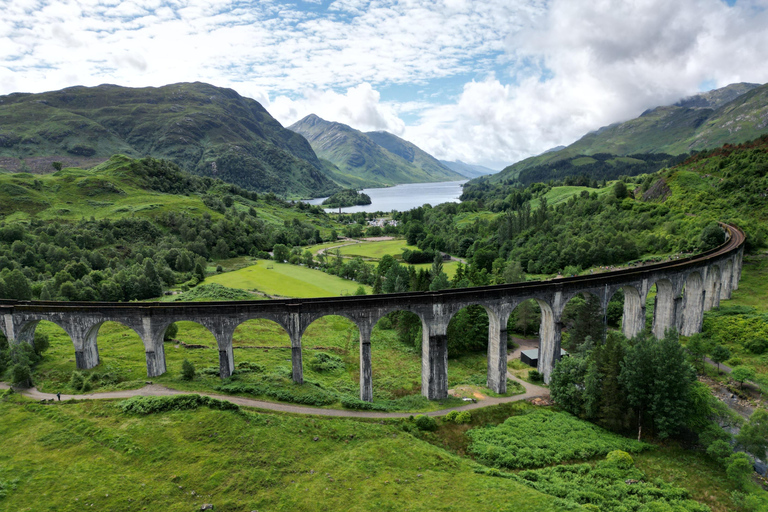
column 71, row 456
column 377, row 250
column 396, row 367
column 285, row 280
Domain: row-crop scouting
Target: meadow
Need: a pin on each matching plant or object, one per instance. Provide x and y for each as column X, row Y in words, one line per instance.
column 284, row 280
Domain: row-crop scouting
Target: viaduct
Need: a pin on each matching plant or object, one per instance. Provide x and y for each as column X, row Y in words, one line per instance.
column 685, row 289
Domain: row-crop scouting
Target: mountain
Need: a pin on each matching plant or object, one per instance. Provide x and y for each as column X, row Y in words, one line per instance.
column 207, row 130
column 732, row 114
column 372, row 159
column 467, row 170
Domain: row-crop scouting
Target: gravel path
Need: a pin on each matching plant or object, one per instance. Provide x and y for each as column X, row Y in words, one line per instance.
column 531, row 391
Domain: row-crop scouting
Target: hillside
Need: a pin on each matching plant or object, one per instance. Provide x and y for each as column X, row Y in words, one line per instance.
column 370, row 160
column 732, row 114
column 207, row 130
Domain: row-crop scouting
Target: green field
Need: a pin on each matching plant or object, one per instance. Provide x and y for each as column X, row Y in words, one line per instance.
column 376, row 250
column 284, row 280
column 91, row 455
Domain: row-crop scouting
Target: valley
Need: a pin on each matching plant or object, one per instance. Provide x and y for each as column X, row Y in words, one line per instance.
column 145, row 229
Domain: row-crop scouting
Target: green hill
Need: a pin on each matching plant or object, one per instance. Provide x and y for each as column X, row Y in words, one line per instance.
column 207, row 130
column 732, row 114
column 374, row 159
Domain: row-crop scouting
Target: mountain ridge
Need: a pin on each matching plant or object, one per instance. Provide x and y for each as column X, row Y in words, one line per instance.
column 370, row 159
column 699, row 122
column 208, row 130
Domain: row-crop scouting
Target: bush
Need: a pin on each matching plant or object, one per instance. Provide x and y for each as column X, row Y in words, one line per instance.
column 21, row 375
column 426, row 423
column 739, row 468
column 76, row 381
column 187, row 370
column 620, row 459
column 170, row 332
column 535, row 376
column 156, row 404
column 719, row 450
column 451, row 416
column 86, row 386
column 355, row 403
column 322, row 362
column 41, row 343
column 756, row 345
column 463, row 417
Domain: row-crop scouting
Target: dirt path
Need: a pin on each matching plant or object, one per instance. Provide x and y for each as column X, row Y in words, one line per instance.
column 531, row 391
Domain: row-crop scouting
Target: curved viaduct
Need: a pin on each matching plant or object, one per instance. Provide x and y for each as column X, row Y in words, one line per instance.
column 685, row 289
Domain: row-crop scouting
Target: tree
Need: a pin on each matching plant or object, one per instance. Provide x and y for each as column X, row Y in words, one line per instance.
column 753, row 436
column 170, row 332
column 637, row 377
column 742, row 373
column 17, row 286
column 360, row 290
column 187, row 370
column 719, row 354
column 739, row 468
column 620, row 190
column 57, row 165
column 280, row 253
column 697, row 348
column 513, row 272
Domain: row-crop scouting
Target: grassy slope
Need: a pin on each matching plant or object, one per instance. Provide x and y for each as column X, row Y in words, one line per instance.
column 109, row 191
column 75, row 455
column 287, row 280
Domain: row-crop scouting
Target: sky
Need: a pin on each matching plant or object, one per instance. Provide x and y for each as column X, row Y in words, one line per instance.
column 488, row 82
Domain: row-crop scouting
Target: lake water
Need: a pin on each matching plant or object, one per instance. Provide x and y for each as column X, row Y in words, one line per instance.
column 404, row 197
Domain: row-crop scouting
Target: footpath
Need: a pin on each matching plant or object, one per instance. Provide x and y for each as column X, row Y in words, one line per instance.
column 531, row 391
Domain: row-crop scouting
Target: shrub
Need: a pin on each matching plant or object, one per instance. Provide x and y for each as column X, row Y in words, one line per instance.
column 719, row 450
column 424, row 422
column 463, row 417
column 187, row 370
column 170, row 332
column 322, row 362
column 355, row 403
column 41, row 343
column 76, row 381
column 156, row 404
column 756, row 345
column 739, row 468
column 21, row 375
column 620, row 459
column 451, row 416
column 535, row 376
column 86, row 386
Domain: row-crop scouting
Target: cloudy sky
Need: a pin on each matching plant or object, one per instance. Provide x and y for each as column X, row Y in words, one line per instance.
column 483, row 81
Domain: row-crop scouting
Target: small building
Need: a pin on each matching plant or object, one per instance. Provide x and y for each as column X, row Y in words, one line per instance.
column 531, row 357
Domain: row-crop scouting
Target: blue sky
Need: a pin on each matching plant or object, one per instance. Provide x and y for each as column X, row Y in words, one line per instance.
column 488, row 82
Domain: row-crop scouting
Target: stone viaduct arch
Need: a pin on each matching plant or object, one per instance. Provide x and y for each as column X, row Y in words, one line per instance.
column 685, row 289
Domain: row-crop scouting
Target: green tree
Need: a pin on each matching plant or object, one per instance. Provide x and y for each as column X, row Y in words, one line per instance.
column 17, row 286
column 742, row 373
column 637, row 378
column 57, row 165
column 280, row 253
column 620, row 190
column 719, row 354
column 753, row 436
column 739, row 468
column 513, row 272
column 360, row 290
column 187, row 370
column 697, row 348
column 200, row 271
column 170, row 332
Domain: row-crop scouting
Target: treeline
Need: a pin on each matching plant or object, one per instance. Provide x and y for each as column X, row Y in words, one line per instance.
column 135, row 259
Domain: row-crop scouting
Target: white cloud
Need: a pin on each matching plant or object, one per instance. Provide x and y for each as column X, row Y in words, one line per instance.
column 359, row 107
column 538, row 73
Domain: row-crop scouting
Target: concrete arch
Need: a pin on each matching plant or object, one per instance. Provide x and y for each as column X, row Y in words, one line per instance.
column 549, row 339
column 693, row 304
column 712, row 287
column 496, row 353
column 664, row 310
column 633, row 319
column 220, row 331
column 87, row 354
column 726, row 280
column 25, row 331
